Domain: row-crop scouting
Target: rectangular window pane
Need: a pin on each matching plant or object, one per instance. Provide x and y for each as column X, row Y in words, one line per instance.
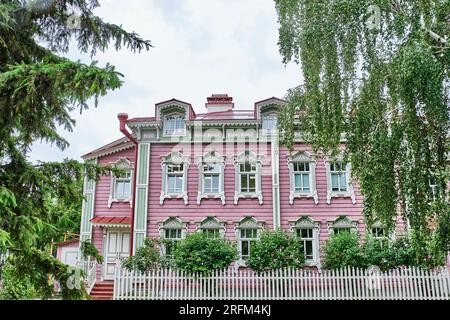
column 308, row 249
column 244, row 183
column 305, row 182
column 298, row 182
column 252, row 183
column 215, row 183
column 343, row 181
column 335, row 182
column 245, row 248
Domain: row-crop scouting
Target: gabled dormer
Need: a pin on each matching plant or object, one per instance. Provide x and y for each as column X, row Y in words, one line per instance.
column 267, row 112
column 172, row 116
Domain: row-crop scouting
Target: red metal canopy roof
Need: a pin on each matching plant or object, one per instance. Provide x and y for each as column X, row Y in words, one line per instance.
column 111, row 220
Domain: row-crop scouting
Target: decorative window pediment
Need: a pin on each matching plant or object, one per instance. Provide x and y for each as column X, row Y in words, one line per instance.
column 248, row 176
column 213, row 227
column 121, row 186
column 304, row 222
column 250, row 223
column 172, row 223
column 339, row 180
column 342, row 223
column 174, row 176
column 211, row 184
column 302, row 173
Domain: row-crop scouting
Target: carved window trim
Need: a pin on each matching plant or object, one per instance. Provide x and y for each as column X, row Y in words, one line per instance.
column 350, row 193
column 172, row 223
column 252, row 158
column 172, row 110
column 127, row 165
column 306, row 222
column 175, row 157
column 212, row 222
column 248, row 222
column 306, row 157
column 271, row 116
column 342, row 222
column 209, row 158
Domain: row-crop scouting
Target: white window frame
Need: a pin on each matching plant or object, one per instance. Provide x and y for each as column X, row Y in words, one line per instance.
column 126, row 165
column 177, row 118
column 306, row 222
column 245, row 224
column 342, row 222
column 212, row 223
column 271, row 117
column 305, row 157
column 172, row 223
column 349, row 193
column 211, row 158
column 174, row 158
column 253, row 159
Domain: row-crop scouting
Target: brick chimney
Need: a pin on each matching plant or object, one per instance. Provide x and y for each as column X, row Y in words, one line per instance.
column 219, row 103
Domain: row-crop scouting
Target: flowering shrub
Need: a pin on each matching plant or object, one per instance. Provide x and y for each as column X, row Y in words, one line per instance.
column 275, row 250
column 198, row 253
column 343, row 250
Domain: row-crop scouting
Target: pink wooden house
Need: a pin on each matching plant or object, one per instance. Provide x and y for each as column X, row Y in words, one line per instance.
column 222, row 172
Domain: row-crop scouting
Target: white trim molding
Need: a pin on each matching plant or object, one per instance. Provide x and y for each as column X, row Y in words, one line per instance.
column 212, row 223
column 174, row 158
column 127, row 165
column 246, row 223
column 251, row 157
column 173, row 223
column 350, row 192
column 342, row 222
column 302, row 157
column 211, row 157
column 306, row 222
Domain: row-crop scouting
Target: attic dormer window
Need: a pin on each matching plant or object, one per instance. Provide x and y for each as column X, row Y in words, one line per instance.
column 174, row 125
column 269, row 123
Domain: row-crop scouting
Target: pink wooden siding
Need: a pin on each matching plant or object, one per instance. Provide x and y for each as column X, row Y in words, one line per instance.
column 193, row 213
column 102, row 191
column 103, row 187
column 322, row 212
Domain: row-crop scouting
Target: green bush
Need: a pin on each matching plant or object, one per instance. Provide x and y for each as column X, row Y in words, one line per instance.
column 15, row 286
column 148, row 257
column 88, row 250
column 400, row 252
column 198, row 253
column 275, row 250
column 343, row 250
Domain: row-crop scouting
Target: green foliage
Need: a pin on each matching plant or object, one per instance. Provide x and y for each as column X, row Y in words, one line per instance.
column 343, row 250
column 275, row 250
column 15, row 286
column 385, row 87
column 148, row 257
column 39, row 91
column 88, row 250
column 198, row 253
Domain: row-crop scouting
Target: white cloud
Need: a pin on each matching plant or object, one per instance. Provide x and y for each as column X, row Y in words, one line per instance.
column 201, row 47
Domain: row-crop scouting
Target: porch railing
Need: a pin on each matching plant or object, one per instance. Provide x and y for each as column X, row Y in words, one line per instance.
column 286, row 284
column 89, row 267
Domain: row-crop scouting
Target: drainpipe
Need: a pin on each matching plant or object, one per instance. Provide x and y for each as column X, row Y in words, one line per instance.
column 123, row 117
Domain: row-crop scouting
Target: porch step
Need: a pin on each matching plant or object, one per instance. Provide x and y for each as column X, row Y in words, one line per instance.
column 103, row 290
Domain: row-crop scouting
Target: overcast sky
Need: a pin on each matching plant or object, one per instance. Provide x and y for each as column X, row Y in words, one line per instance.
column 200, row 47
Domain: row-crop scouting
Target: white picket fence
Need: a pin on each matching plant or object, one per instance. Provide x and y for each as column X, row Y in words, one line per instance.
column 285, row 284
